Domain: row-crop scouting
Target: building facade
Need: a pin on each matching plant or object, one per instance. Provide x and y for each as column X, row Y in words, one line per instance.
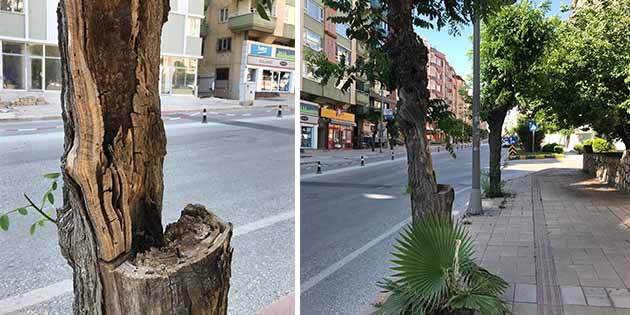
column 344, row 116
column 31, row 64
column 245, row 53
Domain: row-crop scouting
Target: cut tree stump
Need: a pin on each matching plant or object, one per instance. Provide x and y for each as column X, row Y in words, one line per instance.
column 190, row 275
column 443, row 199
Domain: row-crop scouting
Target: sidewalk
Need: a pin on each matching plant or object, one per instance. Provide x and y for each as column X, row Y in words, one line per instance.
column 170, row 104
column 561, row 240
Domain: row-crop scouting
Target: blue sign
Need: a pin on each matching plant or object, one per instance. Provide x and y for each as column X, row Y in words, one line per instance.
column 261, row 50
column 533, row 126
column 512, row 139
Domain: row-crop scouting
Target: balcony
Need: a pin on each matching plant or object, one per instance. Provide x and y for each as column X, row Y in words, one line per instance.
column 251, row 22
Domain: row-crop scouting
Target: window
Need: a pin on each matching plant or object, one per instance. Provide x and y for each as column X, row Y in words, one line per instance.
column 12, row 5
column 312, row 40
column 36, row 73
column 223, row 15
column 193, row 29
column 363, row 87
column 13, row 66
column 52, row 80
column 224, row 44
column 223, row 74
column 313, row 10
column 178, row 75
column 438, row 61
column 343, row 54
column 275, row 81
column 342, row 28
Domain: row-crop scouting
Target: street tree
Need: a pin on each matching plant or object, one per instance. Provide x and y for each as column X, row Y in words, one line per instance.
column 587, row 70
column 513, row 40
column 110, row 224
column 397, row 58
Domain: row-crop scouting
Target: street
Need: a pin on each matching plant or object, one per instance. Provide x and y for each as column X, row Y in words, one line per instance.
column 240, row 166
column 350, row 219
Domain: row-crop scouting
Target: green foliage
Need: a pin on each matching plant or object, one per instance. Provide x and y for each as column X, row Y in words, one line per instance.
column 587, row 70
column 488, row 189
column 435, row 273
column 263, row 7
column 588, row 142
column 549, row 147
column 48, row 197
column 525, row 136
column 601, row 145
column 579, row 148
column 558, row 149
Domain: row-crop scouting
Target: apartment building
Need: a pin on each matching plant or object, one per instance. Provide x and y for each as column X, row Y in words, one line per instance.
column 244, row 54
column 31, row 64
column 342, row 121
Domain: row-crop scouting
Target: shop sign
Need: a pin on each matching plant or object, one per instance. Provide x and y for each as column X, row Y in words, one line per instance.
column 388, row 114
column 309, row 109
column 270, row 62
column 261, row 50
column 286, row 54
column 309, row 119
column 338, row 115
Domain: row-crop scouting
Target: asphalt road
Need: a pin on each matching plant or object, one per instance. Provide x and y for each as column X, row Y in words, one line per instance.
column 240, row 165
column 350, row 219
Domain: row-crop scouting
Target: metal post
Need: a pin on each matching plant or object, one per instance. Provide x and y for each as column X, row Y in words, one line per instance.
column 362, row 161
column 392, row 155
column 205, row 117
column 475, row 194
column 319, row 167
column 533, row 141
column 279, row 111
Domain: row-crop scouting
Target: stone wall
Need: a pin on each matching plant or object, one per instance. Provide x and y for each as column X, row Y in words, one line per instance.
column 612, row 168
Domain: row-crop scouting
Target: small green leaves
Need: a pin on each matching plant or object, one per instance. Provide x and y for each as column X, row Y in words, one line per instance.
column 54, row 186
column 22, row 211
column 52, row 175
column 41, row 222
column 4, row 222
column 33, row 228
column 50, row 198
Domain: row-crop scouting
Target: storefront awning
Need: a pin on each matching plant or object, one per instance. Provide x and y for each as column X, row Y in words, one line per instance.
column 343, row 123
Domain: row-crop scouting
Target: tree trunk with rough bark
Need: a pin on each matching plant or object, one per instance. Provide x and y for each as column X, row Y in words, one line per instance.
column 410, row 57
column 110, row 225
column 495, row 123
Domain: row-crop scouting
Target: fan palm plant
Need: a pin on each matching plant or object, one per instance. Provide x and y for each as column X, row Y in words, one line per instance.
column 436, row 273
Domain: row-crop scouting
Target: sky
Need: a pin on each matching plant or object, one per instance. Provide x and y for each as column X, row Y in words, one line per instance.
column 456, row 48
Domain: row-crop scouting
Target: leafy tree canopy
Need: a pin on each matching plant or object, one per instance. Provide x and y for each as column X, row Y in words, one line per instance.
column 587, row 70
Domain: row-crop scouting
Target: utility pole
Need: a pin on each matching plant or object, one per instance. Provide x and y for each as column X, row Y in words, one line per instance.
column 474, row 206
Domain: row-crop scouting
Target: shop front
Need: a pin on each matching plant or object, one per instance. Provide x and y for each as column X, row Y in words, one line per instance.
column 270, row 67
column 309, row 118
column 339, row 129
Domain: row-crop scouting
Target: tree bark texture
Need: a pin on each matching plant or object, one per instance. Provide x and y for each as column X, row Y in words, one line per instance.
column 495, row 123
column 410, row 57
column 112, row 165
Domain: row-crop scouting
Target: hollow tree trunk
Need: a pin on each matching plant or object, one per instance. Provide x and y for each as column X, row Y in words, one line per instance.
column 410, row 57
column 495, row 123
column 110, row 227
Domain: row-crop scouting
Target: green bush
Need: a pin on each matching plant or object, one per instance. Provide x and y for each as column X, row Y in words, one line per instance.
column 579, row 148
column 601, row 145
column 436, row 273
column 525, row 136
column 549, row 147
column 558, row 149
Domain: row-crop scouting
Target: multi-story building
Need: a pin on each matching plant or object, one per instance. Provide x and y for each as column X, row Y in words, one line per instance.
column 243, row 52
column 31, row 65
column 343, row 115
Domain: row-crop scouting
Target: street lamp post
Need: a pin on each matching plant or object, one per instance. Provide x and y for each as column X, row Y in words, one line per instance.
column 475, row 195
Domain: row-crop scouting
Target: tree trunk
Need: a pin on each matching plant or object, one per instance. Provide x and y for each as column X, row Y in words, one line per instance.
column 495, row 123
column 110, row 225
column 413, row 105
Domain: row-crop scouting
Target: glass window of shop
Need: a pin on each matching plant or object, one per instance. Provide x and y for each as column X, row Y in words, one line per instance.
column 52, row 68
column 12, row 5
column 178, row 75
column 13, row 66
column 32, row 67
column 275, row 81
column 308, row 137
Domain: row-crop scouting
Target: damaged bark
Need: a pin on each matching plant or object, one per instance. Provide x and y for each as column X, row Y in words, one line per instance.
column 112, row 165
column 495, row 124
column 412, row 84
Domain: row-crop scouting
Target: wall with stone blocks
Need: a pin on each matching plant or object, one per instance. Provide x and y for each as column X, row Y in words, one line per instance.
column 612, row 168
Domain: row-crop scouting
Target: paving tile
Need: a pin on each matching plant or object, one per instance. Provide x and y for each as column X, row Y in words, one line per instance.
column 620, row 297
column 596, row 297
column 525, row 309
column 587, row 310
column 525, row 293
column 572, row 295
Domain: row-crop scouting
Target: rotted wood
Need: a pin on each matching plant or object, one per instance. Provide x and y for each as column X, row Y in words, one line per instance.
column 443, row 199
column 190, row 275
column 114, row 149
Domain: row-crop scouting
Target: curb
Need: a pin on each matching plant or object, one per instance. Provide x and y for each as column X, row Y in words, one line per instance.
column 536, row 157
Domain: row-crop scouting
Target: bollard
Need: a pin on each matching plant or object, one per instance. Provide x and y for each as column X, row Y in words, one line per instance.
column 438, row 148
column 205, row 117
column 279, row 111
column 362, row 161
column 319, row 167
column 392, row 155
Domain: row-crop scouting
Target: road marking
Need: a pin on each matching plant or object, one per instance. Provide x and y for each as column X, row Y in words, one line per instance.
column 230, row 115
column 34, row 297
column 195, row 114
column 213, row 113
column 313, row 281
column 246, row 115
column 174, row 118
